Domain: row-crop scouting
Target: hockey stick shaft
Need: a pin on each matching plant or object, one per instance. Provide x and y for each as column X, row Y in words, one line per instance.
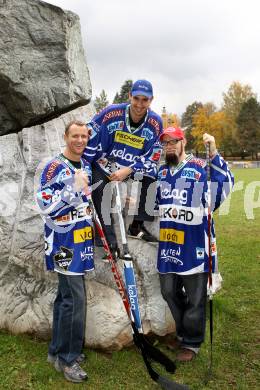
column 120, row 216
column 209, row 251
column 209, row 216
column 130, row 280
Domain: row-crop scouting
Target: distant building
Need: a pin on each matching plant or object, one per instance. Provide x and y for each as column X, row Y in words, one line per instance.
column 169, row 119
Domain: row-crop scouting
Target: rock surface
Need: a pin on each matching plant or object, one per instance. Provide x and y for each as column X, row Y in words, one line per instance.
column 43, row 70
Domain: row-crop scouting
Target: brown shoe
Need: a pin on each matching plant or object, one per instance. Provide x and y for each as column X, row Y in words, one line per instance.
column 186, row 355
column 174, row 344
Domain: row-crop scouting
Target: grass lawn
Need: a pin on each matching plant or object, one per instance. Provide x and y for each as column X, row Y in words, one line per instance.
column 236, row 326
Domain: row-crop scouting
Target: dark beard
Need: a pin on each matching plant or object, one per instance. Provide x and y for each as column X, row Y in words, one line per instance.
column 171, row 159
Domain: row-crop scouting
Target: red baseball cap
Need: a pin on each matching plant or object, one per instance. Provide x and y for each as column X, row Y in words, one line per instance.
column 173, row 132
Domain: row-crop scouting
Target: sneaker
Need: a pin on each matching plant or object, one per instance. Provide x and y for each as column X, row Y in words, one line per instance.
column 115, row 253
column 73, row 373
column 52, row 358
column 141, row 233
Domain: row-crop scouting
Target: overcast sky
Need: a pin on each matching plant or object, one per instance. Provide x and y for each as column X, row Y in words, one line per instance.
column 189, row 49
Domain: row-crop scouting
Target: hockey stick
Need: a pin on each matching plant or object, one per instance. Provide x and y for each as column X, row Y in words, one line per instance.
column 209, row 255
column 148, row 350
column 130, row 281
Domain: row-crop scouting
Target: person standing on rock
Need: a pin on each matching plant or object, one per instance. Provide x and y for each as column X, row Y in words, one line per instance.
column 183, row 244
column 62, row 198
column 127, row 135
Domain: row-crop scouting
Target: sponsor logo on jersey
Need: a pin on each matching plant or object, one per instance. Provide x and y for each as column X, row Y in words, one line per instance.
column 200, row 253
column 181, row 214
column 169, row 255
column 63, row 257
column 172, row 235
column 82, row 235
column 147, row 133
column 51, row 169
column 45, row 196
column 122, row 154
column 93, row 129
column 87, row 253
column 153, row 122
column 64, row 174
column 170, row 252
column 198, row 161
column 78, row 214
column 129, row 139
column 176, row 213
column 168, row 193
column 156, row 154
column 191, row 173
column 162, row 173
column 112, row 114
column 112, row 127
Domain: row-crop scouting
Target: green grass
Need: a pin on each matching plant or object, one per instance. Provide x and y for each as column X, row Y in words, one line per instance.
column 236, row 326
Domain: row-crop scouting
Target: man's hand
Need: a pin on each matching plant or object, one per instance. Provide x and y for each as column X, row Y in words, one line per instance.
column 121, row 174
column 80, row 181
column 209, row 139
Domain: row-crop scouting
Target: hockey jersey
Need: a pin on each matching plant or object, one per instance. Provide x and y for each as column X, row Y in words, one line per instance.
column 67, row 218
column 182, row 195
column 113, row 140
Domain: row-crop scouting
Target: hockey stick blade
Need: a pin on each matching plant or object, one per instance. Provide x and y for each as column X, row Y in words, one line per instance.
column 157, row 355
column 167, row 384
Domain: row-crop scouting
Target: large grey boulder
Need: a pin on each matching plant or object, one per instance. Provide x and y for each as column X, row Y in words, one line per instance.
column 43, row 71
column 27, row 291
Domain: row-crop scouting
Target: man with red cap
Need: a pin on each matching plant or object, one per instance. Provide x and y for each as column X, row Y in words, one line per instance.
column 183, row 242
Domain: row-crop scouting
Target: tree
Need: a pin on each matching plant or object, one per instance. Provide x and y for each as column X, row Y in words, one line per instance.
column 236, row 95
column 123, row 95
column 248, row 122
column 101, row 101
column 207, row 120
column 187, row 122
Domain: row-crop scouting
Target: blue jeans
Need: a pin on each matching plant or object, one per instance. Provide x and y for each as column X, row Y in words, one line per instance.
column 69, row 313
column 188, row 308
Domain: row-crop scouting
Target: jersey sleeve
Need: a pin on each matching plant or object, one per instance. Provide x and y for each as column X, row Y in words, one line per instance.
column 99, row 140
column 222, row 181
column 56, row 191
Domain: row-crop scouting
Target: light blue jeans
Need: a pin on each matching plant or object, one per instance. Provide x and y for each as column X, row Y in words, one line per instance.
column 69, row 313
